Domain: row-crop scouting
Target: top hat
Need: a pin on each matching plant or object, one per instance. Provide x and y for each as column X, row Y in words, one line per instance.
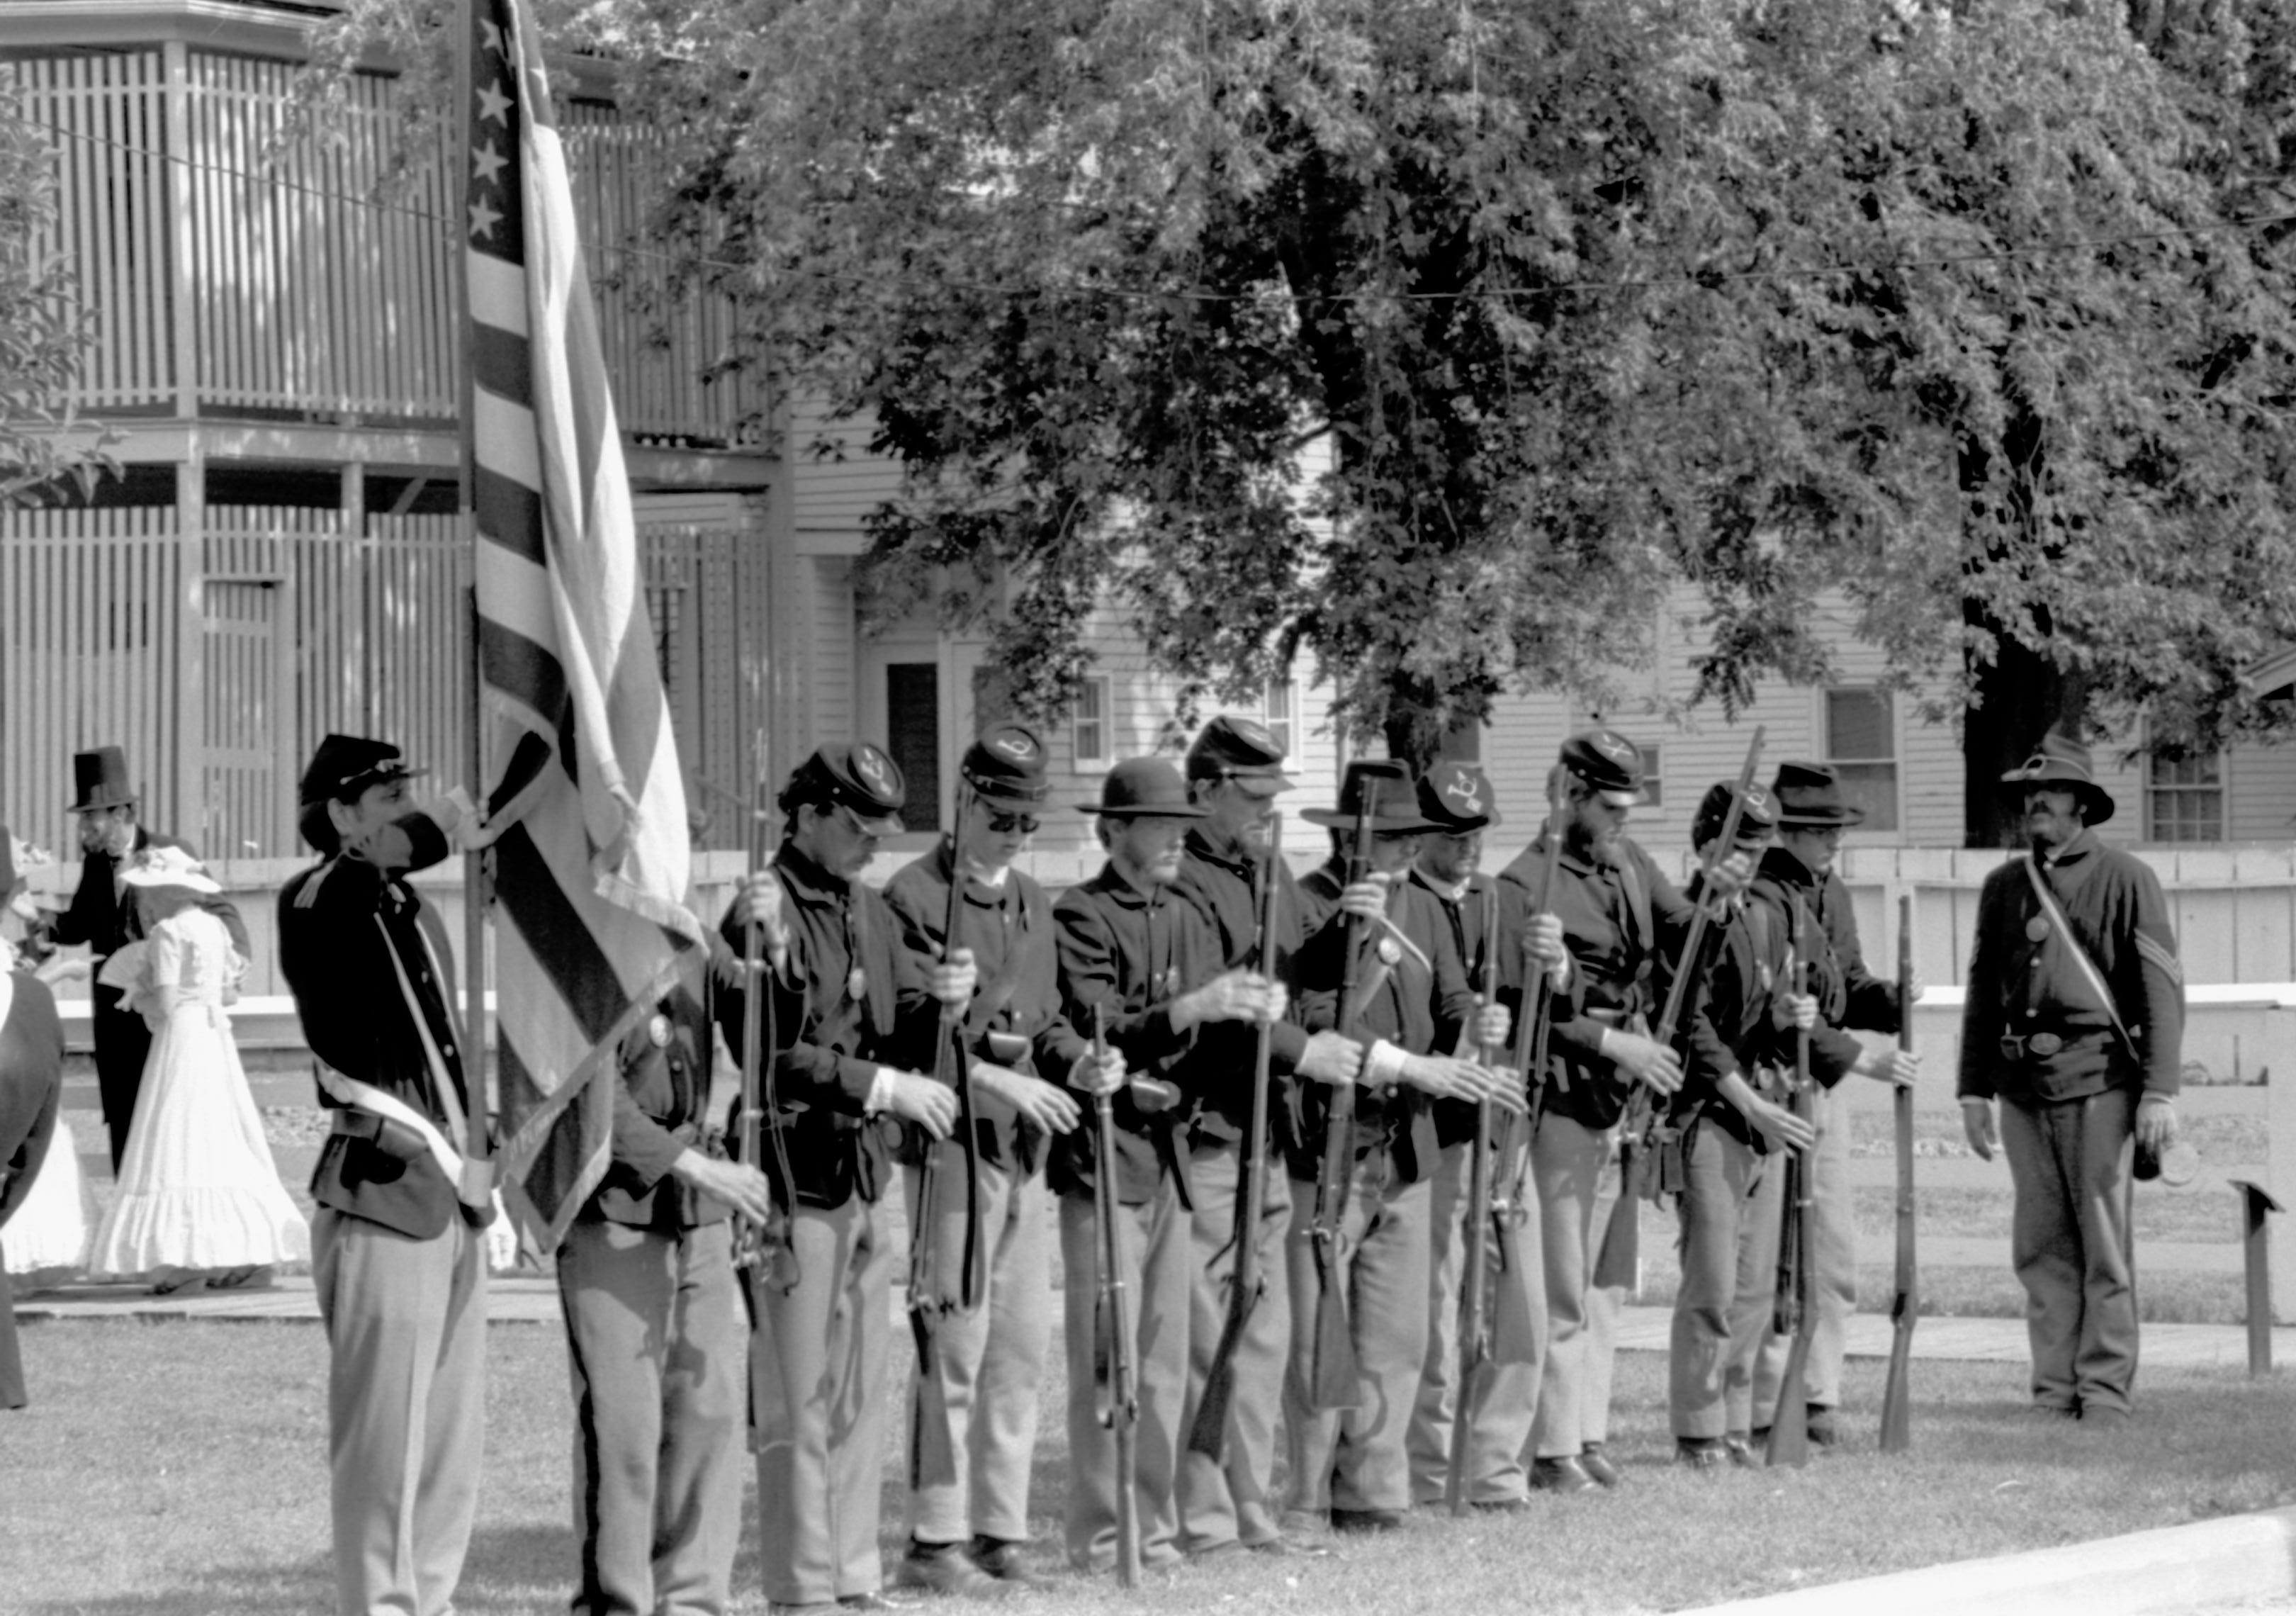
column 1144, row 788
column 339, row 770
column 1241, row 750
column 863, row 779
column 1810, row 794
column 100, row 781
column 1005, row 769
column 1397, row 813
column 1757, row 819
column 1609, row 762
column 160, row 865
column 1456, row 798
column 2063, row 762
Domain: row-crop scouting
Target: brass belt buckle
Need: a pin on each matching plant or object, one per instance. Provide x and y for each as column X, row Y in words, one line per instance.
column 2044, row 1043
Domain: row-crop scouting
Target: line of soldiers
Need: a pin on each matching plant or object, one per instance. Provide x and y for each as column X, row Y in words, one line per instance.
column 1342, row 1118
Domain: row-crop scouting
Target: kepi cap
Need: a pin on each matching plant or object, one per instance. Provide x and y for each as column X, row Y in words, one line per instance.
column 862, row 778
column 1756, row 821
column 1456, row 798
column 340, row 768
column 1144, row 788
column 1609, row 763
column 1005, row 768
column 1241, row 750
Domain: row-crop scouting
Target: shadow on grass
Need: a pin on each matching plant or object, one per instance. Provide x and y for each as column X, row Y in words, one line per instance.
column 510, row 1571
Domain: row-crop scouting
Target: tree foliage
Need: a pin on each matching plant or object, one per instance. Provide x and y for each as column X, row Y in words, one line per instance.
column 44, row 330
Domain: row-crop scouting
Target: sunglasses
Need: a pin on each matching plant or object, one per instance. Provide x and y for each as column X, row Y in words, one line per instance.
column 1004, row 824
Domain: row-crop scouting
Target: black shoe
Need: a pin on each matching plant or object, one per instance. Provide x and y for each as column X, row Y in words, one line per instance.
column 1501, row 1507
column 1001, row 1558
column 1702, row 1453
column 1597, row 1465
column 1741, row 1450
column 873, row 1601
column 1822, row 1432
column 1366, row 1520
column 943, row 1568
column 1564, row 1474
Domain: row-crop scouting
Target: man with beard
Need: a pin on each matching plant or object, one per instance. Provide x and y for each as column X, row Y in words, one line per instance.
column 1813, row 817
column 2074, row 1021
column 1351, row 1466
column 1234, row 771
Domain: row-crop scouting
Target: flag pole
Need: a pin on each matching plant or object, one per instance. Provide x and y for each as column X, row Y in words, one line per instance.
column 474, row 874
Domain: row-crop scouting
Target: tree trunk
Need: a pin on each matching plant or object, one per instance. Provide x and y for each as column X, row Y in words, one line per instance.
column 2022, row 694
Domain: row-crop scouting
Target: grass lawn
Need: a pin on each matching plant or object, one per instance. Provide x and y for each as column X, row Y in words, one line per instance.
column 178, row 1469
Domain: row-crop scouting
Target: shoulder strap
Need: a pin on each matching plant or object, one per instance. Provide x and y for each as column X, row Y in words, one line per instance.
column 1758, row 927
column 2090, row 974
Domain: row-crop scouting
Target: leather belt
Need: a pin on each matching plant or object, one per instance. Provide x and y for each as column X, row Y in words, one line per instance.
column 2040, row 1046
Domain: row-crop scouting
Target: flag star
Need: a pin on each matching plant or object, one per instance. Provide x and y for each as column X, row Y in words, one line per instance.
column 492, row 31
column 487, row 162
column 492, row 104
column 483, row 219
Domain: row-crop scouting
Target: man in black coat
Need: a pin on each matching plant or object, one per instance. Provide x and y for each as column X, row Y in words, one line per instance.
column 105, row 917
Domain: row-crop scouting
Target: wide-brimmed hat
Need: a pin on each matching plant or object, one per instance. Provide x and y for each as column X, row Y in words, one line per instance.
column 1241, row 750
column 100, row 781
column 1811, row 795
column 1397, row 811
column 1144, row 788
column 1456, row 798
column 1608, row 762
column 166, row 866
column 340, row 768
column 1005, row 769
column 862, row 778
column 2063, row 762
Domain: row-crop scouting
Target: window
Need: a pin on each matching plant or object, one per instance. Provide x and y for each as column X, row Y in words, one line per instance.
column 1653, row 788
column 912, row 737
column 1861, row 742
column 1282, row 714
column 1091, row 735
column 2185, row 798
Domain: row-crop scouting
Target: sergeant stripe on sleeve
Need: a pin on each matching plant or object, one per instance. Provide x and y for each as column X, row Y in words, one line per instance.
column 2161, row 956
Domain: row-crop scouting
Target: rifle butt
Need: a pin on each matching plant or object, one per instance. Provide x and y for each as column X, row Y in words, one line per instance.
column 1207, row 1432
column 1619, row 1261
column 1514, row 1324
column 1897, row 1393
column 1788, row 1443
column 1127, row 1504
column 1335, row 1379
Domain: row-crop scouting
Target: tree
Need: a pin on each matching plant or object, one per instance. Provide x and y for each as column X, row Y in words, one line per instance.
column 1438, row 339
column 43, row 329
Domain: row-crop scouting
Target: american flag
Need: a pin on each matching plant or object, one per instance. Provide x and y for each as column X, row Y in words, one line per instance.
column 588, row 809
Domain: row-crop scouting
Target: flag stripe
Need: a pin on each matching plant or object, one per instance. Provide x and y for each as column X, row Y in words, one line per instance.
column 509, row 514
column 502, row 363
column 497, row 293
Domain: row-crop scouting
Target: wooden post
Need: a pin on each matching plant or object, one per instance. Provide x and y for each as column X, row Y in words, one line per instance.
column 2256, row 1252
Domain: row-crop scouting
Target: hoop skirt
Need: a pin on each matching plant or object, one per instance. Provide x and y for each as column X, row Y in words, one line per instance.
column 45, row 1242
column 198, row 1191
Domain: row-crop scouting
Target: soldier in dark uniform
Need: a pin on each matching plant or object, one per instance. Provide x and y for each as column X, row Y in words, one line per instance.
column 654, row 1329
column 1460, row 806
column 1813, row 815
column 1234, row 770
column 397, row 1247
column 857, row 1013
column 1732, row 1129
column 974, row 1413
column 106, row 920
column 2075, row 1022
column 1350, row 1468
column 1622, row 921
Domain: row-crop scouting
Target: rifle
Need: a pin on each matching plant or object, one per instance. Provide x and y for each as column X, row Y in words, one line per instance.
column 1335, row 1379
column 1645, row 1136
column 1208, row 1434
column 1474, row 1343
column 950, row 1066
column 765, row 1250
column 1515, row 1328
column 1119, row 1409
column 1906, row 1306
column 1789, row 1441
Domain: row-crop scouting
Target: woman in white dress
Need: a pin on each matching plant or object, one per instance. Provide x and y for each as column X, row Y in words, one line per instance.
column 46, row 1244
column 198, row 1197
